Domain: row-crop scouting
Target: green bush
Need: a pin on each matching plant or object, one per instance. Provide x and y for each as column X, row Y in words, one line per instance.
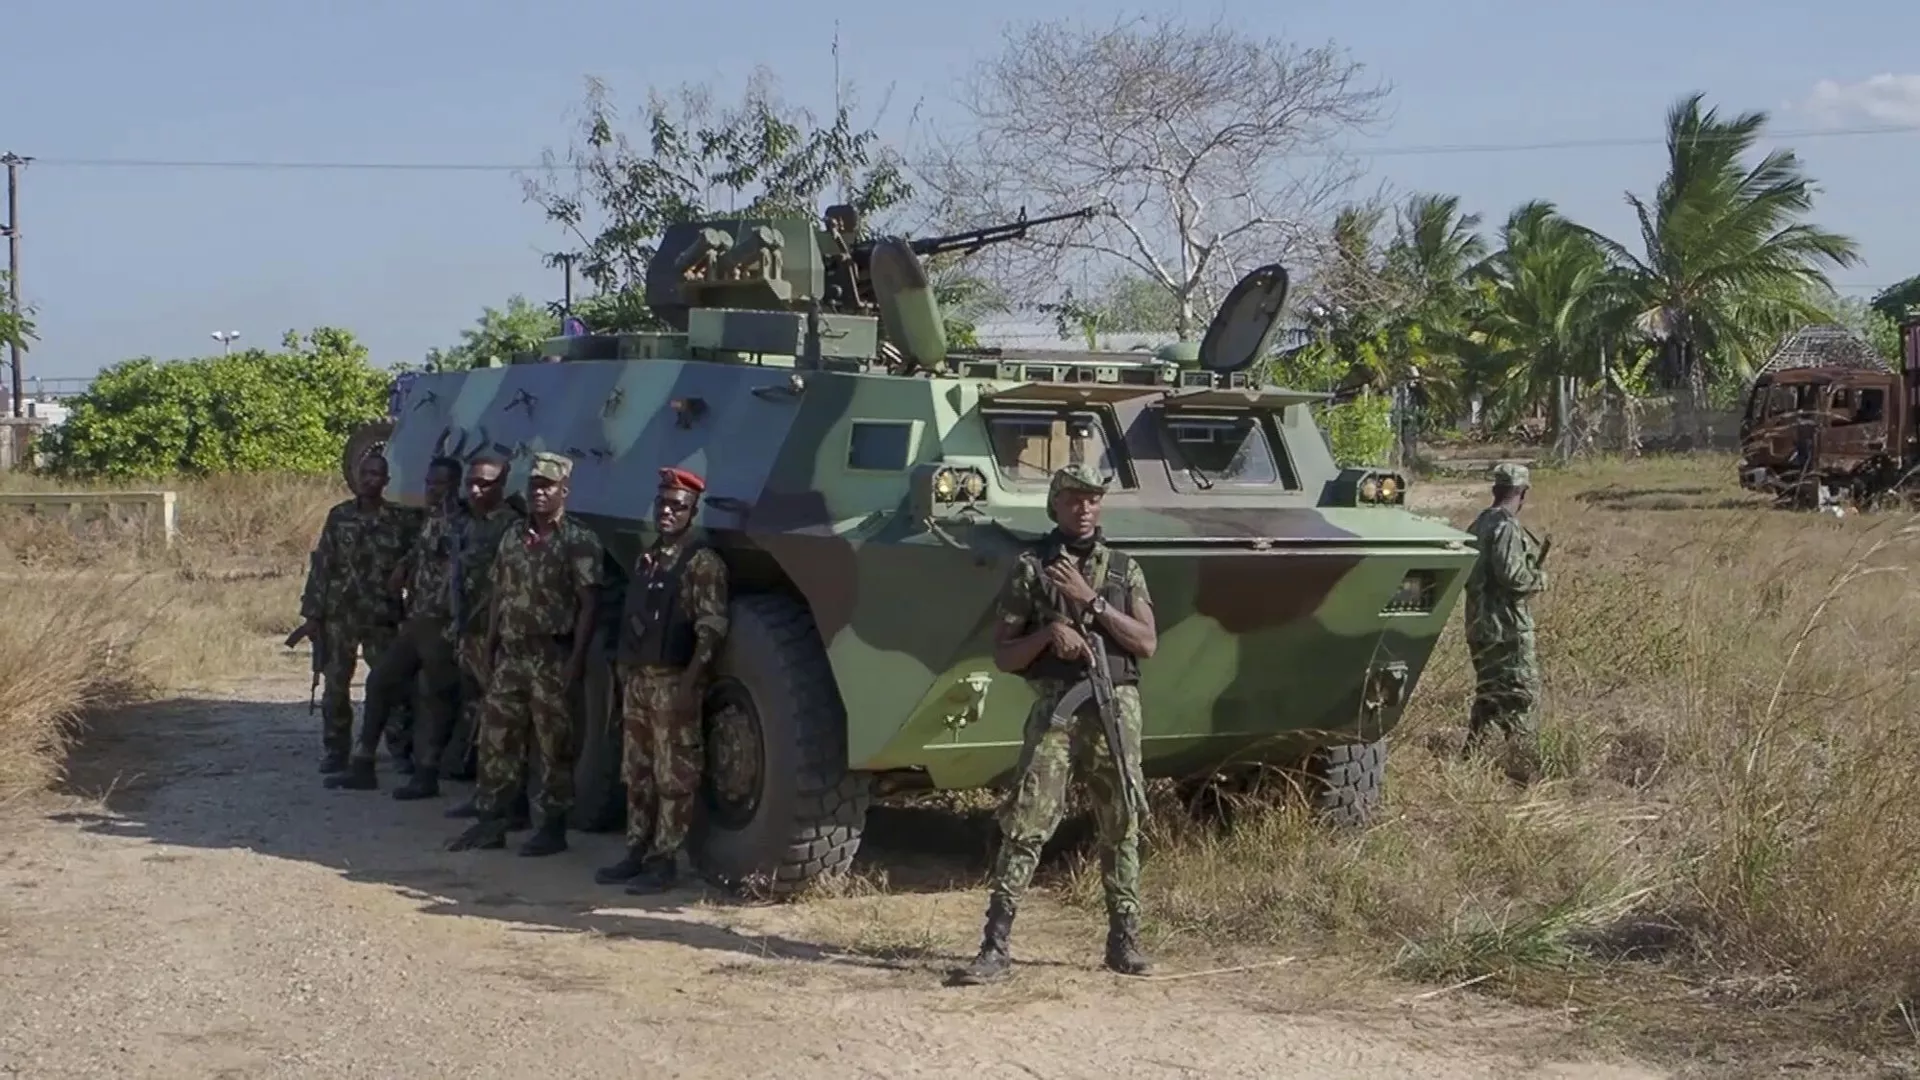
column 249, row 412
column 1361, row 428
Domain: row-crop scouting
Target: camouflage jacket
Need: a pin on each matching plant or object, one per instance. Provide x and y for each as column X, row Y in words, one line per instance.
column 1507, row 572
column 477, row 543
column 701, row 594
column 1029, row 601
column 536, row 581
column 354, row 563
column 431, row 562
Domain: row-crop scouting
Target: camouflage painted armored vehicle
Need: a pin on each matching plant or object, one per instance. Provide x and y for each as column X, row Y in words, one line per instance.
column 869, row 490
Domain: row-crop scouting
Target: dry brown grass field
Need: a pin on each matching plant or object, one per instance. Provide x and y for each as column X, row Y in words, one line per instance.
column 1725, row 845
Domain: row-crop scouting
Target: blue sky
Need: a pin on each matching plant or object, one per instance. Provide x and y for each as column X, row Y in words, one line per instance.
column 129, row 261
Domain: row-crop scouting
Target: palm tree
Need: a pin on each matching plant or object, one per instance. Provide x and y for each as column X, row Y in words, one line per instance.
column 1433, row 253
column 1545, row 297
column 1724, row 257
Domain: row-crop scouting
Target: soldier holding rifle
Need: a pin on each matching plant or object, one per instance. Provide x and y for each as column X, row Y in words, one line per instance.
column 1076, row 620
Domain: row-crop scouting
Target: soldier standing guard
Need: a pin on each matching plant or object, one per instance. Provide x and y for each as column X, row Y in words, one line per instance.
column 421, row 656
column 674, row 621
column 490, row 516
column 1069, row 582
column 348, row 604
column 546, row 577
column 1500, row 630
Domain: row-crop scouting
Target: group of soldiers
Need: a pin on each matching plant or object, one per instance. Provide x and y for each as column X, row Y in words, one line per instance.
column 476, row 614
column 476, row 602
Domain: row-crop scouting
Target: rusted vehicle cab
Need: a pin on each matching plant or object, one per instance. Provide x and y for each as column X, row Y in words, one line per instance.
column 1836, row 423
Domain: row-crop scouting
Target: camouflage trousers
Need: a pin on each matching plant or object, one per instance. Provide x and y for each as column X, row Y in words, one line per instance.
column 344, row 644
column 1506, row 687
column 528, row 708
column 1051, row 756
column 662, row 758
column 417, row 667
column 460, row 750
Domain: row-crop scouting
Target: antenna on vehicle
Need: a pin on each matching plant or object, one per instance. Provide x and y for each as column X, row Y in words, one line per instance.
column 837, row 106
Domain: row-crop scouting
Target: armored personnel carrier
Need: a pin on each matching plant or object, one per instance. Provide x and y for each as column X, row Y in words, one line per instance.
column 869, row 488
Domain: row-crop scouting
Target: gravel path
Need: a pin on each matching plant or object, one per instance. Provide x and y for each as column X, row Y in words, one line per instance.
column 219, row 914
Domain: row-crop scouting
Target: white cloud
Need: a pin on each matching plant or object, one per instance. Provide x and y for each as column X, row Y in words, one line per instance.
column 1881, row 99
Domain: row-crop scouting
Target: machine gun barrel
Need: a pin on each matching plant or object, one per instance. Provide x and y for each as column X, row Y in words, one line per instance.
column 973, row 240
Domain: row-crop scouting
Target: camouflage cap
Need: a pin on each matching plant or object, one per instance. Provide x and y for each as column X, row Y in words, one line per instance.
column 550, row 466
column 1077, row 477
column 1511, row 474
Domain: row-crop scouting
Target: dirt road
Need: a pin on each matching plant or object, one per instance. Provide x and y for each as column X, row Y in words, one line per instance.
column 219, row 914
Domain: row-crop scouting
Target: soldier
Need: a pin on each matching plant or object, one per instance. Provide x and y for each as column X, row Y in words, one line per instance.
column 1499, row 624
column 491, row 515
column 671, row 629
column 421, row 656
column 1070, row 582
column 348, row 603
column 545, row 579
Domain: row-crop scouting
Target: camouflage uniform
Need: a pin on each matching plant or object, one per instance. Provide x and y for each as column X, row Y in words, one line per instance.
column 347, row 592
column 1500, row 633
column 479, row 542
column 418, row 666
column 1053, row 752
column 534, row 583
column 676, row 617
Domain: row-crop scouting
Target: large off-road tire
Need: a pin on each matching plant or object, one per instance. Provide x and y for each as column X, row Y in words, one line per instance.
column 599, row 794
column 370, row 439
column 778, row 806
column 1344, row 782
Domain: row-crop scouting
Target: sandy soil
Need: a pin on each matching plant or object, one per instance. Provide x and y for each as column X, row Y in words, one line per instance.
column 219, row 914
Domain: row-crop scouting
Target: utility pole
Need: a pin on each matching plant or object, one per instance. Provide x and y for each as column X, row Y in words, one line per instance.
column 13, row 162
column 565, row 259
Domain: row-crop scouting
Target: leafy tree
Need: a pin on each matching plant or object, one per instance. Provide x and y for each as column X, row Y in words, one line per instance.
column 1894, row 302
column 14, row 329
column 497, row 335
column 1128, row 304
column 760, row 157
column 252, row 411
column 1724, row 253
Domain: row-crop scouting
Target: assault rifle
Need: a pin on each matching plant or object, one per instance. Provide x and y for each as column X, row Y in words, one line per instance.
column 319, row 647
column 1098, row 687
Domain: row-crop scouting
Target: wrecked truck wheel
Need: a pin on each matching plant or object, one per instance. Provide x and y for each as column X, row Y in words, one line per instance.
column 778, row 807
column 1344, row 781
column 599, row 793
column 370, row 439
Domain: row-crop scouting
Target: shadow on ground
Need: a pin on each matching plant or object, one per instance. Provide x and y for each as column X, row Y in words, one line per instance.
column 1676, row 498
column 222, row 774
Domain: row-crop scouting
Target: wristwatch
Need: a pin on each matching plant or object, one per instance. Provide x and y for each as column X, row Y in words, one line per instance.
column 1098, row 607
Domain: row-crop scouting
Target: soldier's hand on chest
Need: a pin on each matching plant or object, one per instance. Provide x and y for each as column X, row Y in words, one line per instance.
column 1066, row 577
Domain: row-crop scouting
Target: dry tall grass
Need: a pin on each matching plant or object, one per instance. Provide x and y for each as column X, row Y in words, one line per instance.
column 1732, row 758
column 104, row 609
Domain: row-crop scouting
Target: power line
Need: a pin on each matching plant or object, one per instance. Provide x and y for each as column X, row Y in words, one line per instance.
column 1416, row 150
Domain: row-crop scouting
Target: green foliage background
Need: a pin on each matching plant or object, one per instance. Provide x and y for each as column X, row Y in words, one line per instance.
column 252, row 411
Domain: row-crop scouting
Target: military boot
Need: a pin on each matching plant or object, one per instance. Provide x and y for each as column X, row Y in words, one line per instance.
column 657, row 874
column 333, row 761
column 994, row 961
column 424, row 784
column 464, row 810
column 629, row 867
column 487, row 834
column 359, row 776
column 1123, row 946
column 549, row 839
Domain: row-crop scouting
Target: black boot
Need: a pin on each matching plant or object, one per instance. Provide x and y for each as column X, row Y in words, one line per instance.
column 657, row 874
column 520, row 814
column 403, row 763
column 1123, row 946
column 629, row 867
column 464, row 810
column 549, row 839
column 486, row 834
column 425, row 784
column 994, row 962
column 359, row 776
column 333, row 761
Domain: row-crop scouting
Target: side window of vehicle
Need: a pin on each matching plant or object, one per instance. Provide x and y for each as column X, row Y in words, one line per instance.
column 1029, row 446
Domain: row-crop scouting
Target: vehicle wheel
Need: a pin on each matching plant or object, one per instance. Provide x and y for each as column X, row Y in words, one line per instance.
column 370, row 439
column 1344, row 781
column 599, row 793
column 778, row 806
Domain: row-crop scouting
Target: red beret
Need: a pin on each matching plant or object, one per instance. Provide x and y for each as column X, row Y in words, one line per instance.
column 682, row 480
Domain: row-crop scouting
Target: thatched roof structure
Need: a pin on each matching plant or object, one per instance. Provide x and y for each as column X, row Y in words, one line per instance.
column 1823, row 345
